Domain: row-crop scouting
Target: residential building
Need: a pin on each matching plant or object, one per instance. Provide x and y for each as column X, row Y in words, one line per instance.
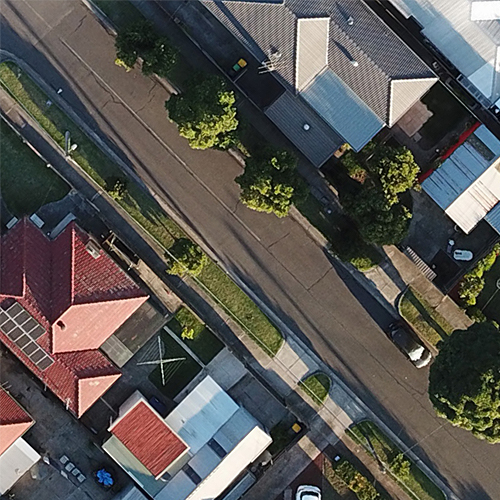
column 60, row 300
column 195, row 453
column 467, row 33
column 16, row 455
column 345, row 74
column 467, row 185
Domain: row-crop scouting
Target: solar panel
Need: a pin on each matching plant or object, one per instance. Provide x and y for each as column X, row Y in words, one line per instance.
column 24, row 331
column 37, row 356
column 45, row 363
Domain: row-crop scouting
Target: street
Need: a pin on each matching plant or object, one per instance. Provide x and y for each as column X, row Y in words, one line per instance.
column 64, row 43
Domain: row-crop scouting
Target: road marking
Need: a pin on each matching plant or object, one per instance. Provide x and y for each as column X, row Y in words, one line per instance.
column 172, row 153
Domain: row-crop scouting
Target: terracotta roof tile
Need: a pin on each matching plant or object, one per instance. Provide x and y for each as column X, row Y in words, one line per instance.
column 14, row 420
column 148, row 438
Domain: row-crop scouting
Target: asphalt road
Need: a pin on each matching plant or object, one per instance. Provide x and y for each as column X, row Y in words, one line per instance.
column 341, row 322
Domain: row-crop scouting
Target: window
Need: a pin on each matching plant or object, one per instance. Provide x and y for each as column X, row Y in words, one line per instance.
column 191, row 473
column 217, row 448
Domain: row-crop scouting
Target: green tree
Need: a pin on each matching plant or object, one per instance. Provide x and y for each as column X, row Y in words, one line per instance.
column 271, row 183
column 205, row 113
column 397, row 172
column 379, row 222
column 470, row 287
column 116, row 187
column 134, row 41
column 464, row 380
column 189, row 258
column 159, row 59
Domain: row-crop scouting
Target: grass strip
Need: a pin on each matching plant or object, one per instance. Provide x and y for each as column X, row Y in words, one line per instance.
column 26, row 182
column 204, row 343
column 317, row 386
column 417, row 484
column 428, row 323
column 138, row 204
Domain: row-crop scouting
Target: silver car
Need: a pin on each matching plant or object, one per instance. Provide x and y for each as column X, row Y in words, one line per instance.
column 308, row 493
column 409, row 345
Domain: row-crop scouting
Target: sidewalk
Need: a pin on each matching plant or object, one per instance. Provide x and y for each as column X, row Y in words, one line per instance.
column 282, row 373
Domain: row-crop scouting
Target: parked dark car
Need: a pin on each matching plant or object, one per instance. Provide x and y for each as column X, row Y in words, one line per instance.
column 408, row 343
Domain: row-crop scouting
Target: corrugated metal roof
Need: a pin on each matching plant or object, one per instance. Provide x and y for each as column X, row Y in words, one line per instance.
column 346, row 113
column 493, row 218
column 290, row 113
column 471, row 46
column 380, row 54
column 201, row 414
column 312, row 49
column 467, row 185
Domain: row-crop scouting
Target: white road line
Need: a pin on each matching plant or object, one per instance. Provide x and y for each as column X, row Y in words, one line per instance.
column 172, row 153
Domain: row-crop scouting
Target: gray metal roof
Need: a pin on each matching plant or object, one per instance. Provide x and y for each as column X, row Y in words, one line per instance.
column 493, row 217
column 380, row 55
column 342, row 109
column 290, row 113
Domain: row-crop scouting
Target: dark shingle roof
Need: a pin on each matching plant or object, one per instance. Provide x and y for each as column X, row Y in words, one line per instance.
column 380, row 54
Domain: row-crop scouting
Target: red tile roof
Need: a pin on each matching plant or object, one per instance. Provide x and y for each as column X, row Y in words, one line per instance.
column 79, row 300
column 14, row 421
column 148, row 438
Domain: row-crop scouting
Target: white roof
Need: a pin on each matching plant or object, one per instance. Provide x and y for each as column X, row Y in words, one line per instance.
column 455, row 28
column 467, row 185
column 14, row 462
column 201, row 414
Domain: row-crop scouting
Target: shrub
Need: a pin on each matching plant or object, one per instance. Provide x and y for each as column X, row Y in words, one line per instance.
column 356, row 482
column 470, row 287
column 476, row 314
column 362, row 263
column 116, row 187
column 187, row 333
column 188, row 258
column 401, row 466
column 353, row 167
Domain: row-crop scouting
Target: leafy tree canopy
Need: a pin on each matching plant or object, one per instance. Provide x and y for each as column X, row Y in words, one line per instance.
column 464, row 381
column 189, row 258
column 205, row 114
column 271, row 183
column 379, row 222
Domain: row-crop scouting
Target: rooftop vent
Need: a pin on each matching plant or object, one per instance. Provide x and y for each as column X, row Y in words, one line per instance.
column 93, row 249
column 350, row 20
column 306, row 127
column 355, row 63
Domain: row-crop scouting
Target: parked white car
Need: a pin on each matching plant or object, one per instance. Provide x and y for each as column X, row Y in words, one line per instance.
column 306, row 492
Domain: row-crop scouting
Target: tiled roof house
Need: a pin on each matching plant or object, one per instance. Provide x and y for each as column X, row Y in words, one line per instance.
column 337, row 60
column 14, row 421
column 59, row 301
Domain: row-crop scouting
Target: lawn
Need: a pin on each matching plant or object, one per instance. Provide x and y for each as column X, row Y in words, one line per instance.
column 426, row 322
column 416, row 483
column 317, row 386
column 489, row 299
column 448, row 113
column 26, row 183
column 138, row 203
column 204, row 343
column 178, row 374
column 255, row 323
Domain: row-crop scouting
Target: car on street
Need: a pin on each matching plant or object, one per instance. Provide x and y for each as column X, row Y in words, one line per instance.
column 408, row 343
column 306, row 492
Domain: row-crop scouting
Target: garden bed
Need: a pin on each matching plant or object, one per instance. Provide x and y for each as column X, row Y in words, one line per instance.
column 427, row 323
column 417, row 484
column 27, row 183
column 203, row 342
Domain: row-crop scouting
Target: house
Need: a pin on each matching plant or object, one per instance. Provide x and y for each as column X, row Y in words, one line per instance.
column 346, row 75
column 467, row 184
column 59, row 301
column 16, row 455
column 195, row 453
column 467, row 33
